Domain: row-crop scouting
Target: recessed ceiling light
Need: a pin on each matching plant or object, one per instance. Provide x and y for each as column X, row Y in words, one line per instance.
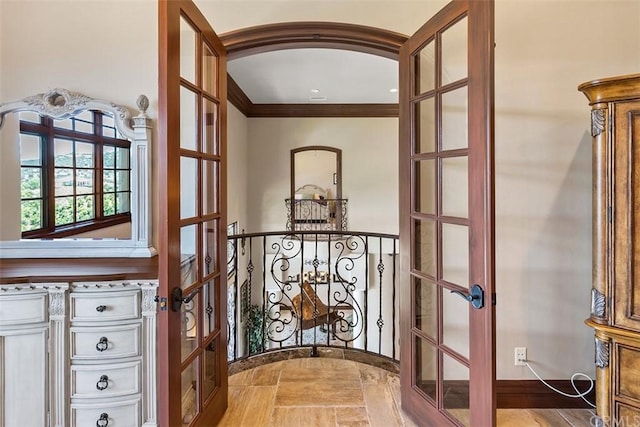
column 394, row 90
column 317, row 98
column 315, row 90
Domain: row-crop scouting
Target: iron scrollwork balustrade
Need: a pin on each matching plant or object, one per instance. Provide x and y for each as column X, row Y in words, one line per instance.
column 314, row 288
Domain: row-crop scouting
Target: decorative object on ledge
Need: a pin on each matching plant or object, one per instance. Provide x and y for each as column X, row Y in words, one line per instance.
column 63, row 104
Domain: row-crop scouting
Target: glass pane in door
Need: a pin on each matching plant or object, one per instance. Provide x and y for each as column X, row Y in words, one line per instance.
column 455, row 254
column 188, row 187
column 425, row 112
column 454, row 119
column 425, row 62
column 209, row 70
column 425, row 194
column 187, row 51
column 210, row 143
column 454, row 52
column 188, row 119
column 188, row 264
column 455, row 322
column 426, row 306
column 189, row 330
column 190, row 387
column 455, row 389
column 455, row 187
column 426, row 368
column 425, row 247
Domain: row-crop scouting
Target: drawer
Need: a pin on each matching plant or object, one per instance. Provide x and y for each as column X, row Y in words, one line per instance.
column 628, row 371
column 94, row 381
column 23, row 307
column 118, row 414
column 104, row 306
column 115, row 341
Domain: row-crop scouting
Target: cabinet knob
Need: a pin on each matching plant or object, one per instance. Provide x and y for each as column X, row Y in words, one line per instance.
column 102, row 383
column 103, row 421
column 103, row 344
column 101, row 308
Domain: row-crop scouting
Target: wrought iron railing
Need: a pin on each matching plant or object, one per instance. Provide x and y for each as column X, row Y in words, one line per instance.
column 312, row 289
column 316, row 214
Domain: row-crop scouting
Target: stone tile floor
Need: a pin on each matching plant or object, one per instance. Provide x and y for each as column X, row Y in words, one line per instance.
column 310, row 392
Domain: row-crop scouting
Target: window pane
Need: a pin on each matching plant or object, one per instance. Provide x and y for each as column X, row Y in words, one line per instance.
column 210, row 249
column 454, row 52
column 189, row 330
column 108, row 126
column 62, row 152
column 84, row 208
column 425, row 186
column 187, row 51
column 209, row 307
column 109, row 156
column 189, row 392
column 84, row 155
column 188, row 239
column 210, row 364
column 108, row 204
column 188, row 187
column 122, row 158
column 210, row 183
column 63, row 181
column 455, row 393
column 455, row 254
column 188, row 119
column 84, row 181
column 29, row 116
column 425, row 247
column 209, row 70
column 426, row 306
column 31, row 217
column 64, row 210
column 123, row 202
column 425, row 112
column 84, row 122
column 209, row 127
column 455, row 186
column 122, row 180
column 454, row 119
column 108, row 181
column 455, row 322
column 30, row 183
column 426, row 367
column 63, row 124
column 30, row 150
column 425, row 69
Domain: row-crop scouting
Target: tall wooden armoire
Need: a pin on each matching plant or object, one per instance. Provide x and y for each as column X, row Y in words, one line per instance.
column 615, row 296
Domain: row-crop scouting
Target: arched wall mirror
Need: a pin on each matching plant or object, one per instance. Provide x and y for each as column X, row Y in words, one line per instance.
column 315, row 201
column 75, row 173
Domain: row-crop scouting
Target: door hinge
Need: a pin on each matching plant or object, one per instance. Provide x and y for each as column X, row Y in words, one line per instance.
column 493, row 299
column 610, row 214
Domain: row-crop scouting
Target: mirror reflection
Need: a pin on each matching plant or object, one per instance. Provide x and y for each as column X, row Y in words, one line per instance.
column 75, row 176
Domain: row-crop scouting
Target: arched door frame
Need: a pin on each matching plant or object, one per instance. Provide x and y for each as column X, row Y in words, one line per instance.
column 299, row 35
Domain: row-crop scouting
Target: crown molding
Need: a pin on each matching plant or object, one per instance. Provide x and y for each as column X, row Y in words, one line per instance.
column 241, row 101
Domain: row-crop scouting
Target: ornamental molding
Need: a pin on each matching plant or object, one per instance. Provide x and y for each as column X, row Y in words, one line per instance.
column 148, row 300
column 60, row 104
column 597, row 121
column 602, row 353
column 57, row 303
column 598, row 303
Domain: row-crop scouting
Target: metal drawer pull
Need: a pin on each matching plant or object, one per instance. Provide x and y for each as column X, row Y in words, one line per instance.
column 101, row 308
column 103, row 421
column 103, row 383
column 103, row 344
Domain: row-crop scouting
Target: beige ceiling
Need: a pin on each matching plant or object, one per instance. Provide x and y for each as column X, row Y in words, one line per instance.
column 289, row 76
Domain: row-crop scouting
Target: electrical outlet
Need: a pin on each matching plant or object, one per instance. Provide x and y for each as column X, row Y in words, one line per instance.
column 520, row 356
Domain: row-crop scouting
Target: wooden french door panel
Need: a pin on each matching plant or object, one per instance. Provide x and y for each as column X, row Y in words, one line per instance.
column 192, row 366
column 447, row 216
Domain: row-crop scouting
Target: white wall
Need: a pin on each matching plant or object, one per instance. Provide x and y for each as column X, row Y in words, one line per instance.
column 237, row 167
column 544, row 50
column 369, row 168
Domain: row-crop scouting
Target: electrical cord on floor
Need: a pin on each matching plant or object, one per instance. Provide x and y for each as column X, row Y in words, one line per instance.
column 573, row 384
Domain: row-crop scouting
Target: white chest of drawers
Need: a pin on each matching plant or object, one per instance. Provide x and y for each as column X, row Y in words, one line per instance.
column 78, row 354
